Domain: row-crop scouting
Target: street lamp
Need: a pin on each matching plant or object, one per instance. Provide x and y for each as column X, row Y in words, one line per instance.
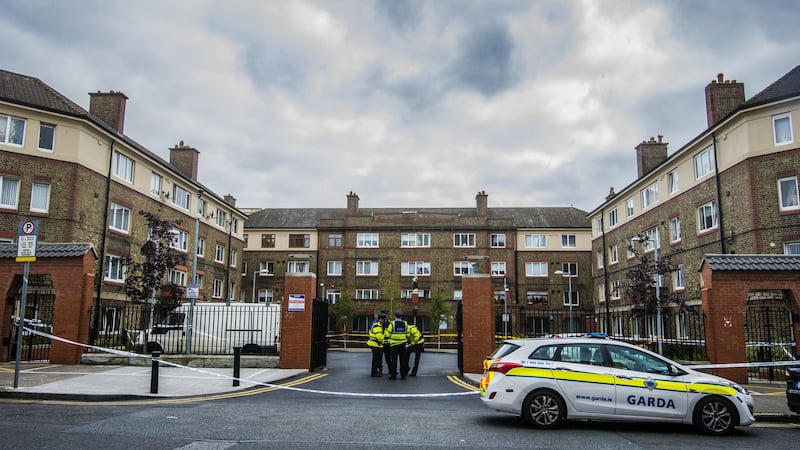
column 568, row 276
column 657, row 242
column 195, row 285
column 254, row 285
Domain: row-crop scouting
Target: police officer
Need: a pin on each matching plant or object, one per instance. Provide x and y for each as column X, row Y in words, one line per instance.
column 375, row 342
column 416, row 343
column 397, row 336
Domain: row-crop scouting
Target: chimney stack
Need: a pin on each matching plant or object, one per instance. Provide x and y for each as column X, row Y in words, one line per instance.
column 109, row 107
column 482, row 203
column 230, row 200
column 352, row 203
column 650, row 154
column 185, row 159
column 722, row 97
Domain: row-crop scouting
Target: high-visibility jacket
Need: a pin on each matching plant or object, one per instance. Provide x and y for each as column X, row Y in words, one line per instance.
column 396, row 333
column 376, row 335
column 415, row 335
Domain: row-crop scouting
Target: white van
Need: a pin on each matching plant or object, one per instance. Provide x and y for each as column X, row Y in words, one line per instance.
column 216, row 329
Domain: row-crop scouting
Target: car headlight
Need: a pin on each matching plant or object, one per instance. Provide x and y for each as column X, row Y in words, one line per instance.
column 740, row 389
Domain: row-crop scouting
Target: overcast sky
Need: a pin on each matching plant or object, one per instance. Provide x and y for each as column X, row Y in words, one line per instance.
column 408, row 103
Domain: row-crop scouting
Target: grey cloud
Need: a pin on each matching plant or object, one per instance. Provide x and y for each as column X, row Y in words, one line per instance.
column 402, row 15
column 486, row 60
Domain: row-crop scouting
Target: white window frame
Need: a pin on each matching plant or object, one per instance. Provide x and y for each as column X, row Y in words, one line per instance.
column 458, row 294
column 179, row 240
column 703, row 214
column 181, row 197
column 216, row 288
column 601, row 293
column 201, row 247
column 115, row 269
column 498, row 268
column 537, row 240
column 120, row 218
column 297, row 267
column 497, row 240
column 629, row 207
column 415, row 240
column 536, row 269
column 40, row 197
column 569, row 241
column 463, row 268
column 650, row 195
column 221, row 218
column 675, row 229
column 9, row 133
column 124, row 167
column 791, row 248
column 367, row 294
column 219, row 253
column 265, row 296
column 572, row 296
column 49, row 137
column 613, row 219
column 366, row 268
column 673, row 182
column 334, row 268
column 613, row 254
column 368, row 240
column 463, row 240
column 600, row 259
column 678, row 280
column 9, row 192
column 788, row 194
column 156, row 182
column 266, row 268
column 233, row 257
column 537, row 297
column 415, row 268
column 177, row 277
column 567, row 269
column 782, row 129
column 616, row 290
column 704, row 162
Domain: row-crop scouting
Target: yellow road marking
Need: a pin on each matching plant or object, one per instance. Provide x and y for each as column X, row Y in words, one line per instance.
column 458, row 381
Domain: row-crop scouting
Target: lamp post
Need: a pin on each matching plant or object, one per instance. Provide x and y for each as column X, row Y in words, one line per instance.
column 656, row 244
column 254, row 285
column 195, row 285
column 568, row 276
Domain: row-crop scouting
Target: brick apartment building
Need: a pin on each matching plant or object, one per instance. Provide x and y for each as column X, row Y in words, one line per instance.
column 84, row 180
column 376, row 254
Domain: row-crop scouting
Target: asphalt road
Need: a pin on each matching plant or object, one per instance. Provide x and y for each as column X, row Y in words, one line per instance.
column 342, row 408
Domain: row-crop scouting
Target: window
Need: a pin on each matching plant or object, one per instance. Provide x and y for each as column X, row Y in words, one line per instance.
column 613, row 254
column 497, row 240
column 629, row 207
column 568, row 241
column 120, row 218
column 12, row 130
column 216, row 288
column 652, row 239
column 632, row 359
column 333, row 295
column 458, row 294
column 180, row 240
column 155, row 183
column 334, row 240
column 703, row 163
column 464, row 240
column 677, row 278
column 649, row 196
column 221, row 218
column 334, row 268
column 500, row 296
column 369, row 268
column 422, row 268
column 265, row 296
column 367, row 240
column 601, row 293
column 267, row 241
column 177, row 276
column 707, row 216
column 202, row 206
column 572, row 298
column 299, row 240
column 297, row 267
column 367, row 294
column 535, row 241
column 40, row 197
column 463, row 268
column 616, row 291
column 234, row 224
column 601, row 256
column 201, row 247
column 498, row 268
column 266, row 268
column 9, row 192
column 410, row 240
column 787, row 191
column 409, row 293
column 536, row 297
column 115, row 269
column 612, row 218
column 47, row 135
column 570, row 269
column 675, row 229
column 246, row 240
column 782, row 124
column 535, row 269
column 672, row 182
column 181, row 197
column 791, row 248
column 233, row 258
column 123, row 167
column 219, row 253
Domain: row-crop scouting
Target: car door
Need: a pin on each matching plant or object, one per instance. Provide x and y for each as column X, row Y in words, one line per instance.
column 647, row 386
column 586, row 383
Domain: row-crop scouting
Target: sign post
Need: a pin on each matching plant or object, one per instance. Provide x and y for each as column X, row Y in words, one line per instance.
column 26, row 252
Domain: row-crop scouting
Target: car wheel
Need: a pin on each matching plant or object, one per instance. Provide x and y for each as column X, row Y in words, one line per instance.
column 544, row 409
column 715, row 415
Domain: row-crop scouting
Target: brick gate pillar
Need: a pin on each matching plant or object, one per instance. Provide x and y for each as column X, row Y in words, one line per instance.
column 723, row 297
column 477, row 309
column 296, row 320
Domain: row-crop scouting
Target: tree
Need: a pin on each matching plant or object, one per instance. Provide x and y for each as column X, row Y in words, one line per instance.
column 145, row 277
column 390, row 292
column 437, row 309
column 345, row 307
column 641, row 282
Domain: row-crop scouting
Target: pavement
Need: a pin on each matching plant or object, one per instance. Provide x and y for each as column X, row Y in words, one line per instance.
column 106, row 383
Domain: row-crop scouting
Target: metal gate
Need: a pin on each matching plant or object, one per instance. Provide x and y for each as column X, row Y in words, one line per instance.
column 39, row 317
column 319, row 334
column 769, row 334
column 459, row 341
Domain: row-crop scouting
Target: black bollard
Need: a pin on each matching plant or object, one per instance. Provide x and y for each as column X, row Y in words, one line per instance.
column 154, row 373
column 237, row 359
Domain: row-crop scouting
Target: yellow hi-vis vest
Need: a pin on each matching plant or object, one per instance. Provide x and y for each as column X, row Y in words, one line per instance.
column 415, row 335
column 396, row 333
column 376, row 335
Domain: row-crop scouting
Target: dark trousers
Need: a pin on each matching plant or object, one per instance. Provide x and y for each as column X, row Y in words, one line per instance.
column 377, row 361
column 387, row 354
column 416, row 350
column 397, row 354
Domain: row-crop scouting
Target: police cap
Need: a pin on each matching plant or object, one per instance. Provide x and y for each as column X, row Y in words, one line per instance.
column 381, row 315
column 398, row 313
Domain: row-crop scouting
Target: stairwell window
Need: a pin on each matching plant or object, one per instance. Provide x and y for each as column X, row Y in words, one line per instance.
column 782, row 126
column 787, row 190
column 123, row 167
column 40, row 197
column 707, row 217
column 703, row 163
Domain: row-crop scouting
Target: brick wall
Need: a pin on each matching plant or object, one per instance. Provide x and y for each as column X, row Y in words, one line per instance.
column 296, row 325
column 478, row 320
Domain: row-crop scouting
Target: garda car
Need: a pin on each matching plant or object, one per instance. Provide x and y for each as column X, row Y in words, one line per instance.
column 550, row 380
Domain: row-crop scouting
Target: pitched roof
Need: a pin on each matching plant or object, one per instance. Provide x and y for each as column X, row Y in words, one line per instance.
column 785, row 87
column 532, row 217
column 719, row 262
column 30, row 91
column 51, row 249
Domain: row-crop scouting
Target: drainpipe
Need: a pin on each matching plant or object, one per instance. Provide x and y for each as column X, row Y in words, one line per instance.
column 228, row 263
column 93, row 332
column 609, row 327
column 722, row 239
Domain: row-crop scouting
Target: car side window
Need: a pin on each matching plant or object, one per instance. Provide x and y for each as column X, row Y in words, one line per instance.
column 590, row 354
column 631, row 359
column 546, row 352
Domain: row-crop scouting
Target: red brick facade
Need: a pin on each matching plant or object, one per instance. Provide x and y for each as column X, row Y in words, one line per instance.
column 296, row 325
column 478, row 320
